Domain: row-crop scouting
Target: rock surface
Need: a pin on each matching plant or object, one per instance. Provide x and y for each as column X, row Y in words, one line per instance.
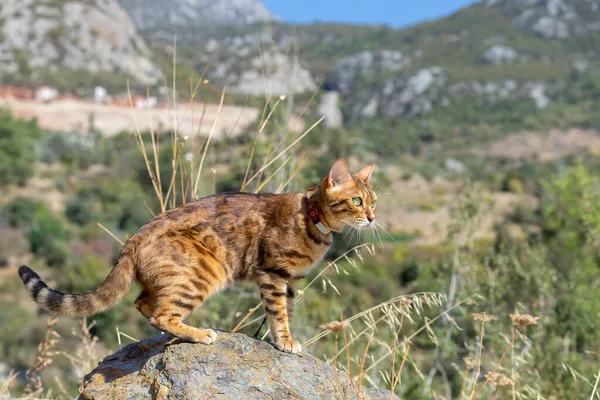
column 499, row 55
column 552, row 19
column 96, row 36
column 191, row 13
column 347, row 70
column 236, row 366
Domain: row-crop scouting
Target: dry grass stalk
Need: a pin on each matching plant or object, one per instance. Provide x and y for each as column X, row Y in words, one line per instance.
column 520, row 321
column 499, row 380
column 396, row 377
column 86, row 356
column 523, row 320
column 12, row 379
column 483, row 318
column 105, row 229
column 468, row 366
column 301, row 293
column 349, row 370
column 362, row 365
column 44, row 358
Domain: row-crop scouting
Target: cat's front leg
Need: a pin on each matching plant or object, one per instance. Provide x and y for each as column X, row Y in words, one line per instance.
column 273, row 291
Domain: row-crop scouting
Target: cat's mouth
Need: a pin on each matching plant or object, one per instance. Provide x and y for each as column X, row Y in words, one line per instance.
column 365, row 224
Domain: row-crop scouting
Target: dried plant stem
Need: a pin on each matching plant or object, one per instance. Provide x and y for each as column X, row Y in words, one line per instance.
column 300, row 294
column 463, row 385
column 421, row 329
column 595, row 386
column 261, row 128
column 44, row 358
column 210, row 135
column 142, row 147
column 110, row 233
column 349, row 370
column 281, row 187
column 512, row 342
column 495, row 391
column 374, row 308
column 313, row 126
column 263, row 184
column 250, row 312
column 396, row 378
column 482, row 332
column 362, row 363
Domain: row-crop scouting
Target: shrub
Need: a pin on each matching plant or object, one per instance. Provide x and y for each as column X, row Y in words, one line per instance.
column 17, row 158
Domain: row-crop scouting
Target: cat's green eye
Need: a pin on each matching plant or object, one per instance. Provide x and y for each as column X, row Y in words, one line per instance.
column 357, row 201
column 373, row 203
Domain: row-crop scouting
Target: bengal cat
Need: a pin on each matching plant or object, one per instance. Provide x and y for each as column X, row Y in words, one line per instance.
column 186, row 254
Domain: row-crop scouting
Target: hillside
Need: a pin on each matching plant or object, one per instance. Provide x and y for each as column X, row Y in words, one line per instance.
column 40, row 38
column 190, row 13
column 526, row 67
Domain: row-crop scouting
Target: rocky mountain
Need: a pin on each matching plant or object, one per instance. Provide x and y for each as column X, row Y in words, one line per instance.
column 526, row 52
column 555, row 19
column 193, row 13
column 494, row 58
column 91, row 35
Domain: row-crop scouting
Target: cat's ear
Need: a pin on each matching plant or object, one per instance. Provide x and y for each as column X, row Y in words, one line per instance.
column 365, row 173
column 311, row 191
column 338, row 173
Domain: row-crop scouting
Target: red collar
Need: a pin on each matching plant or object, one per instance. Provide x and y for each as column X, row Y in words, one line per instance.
column 314, row 216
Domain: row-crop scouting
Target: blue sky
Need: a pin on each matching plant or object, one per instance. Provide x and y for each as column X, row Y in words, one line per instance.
column 395, row 13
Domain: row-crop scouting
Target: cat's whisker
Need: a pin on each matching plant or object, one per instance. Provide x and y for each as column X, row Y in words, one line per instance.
column 350, row 241
column 348, row 231
column 386, row 231
column 378, row 235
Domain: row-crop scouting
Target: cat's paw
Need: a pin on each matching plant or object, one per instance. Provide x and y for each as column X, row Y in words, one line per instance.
column 205, row 336
column 289, row 346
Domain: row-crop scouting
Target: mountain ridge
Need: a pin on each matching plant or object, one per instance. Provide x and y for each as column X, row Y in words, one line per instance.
column 189, row 13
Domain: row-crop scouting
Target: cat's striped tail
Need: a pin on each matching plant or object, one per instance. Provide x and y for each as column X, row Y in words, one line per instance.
column 115, row 286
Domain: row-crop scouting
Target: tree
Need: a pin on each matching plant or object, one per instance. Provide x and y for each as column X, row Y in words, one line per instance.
column 17, row 156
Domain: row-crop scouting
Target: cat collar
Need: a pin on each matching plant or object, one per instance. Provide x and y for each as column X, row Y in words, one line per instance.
column 314, row 216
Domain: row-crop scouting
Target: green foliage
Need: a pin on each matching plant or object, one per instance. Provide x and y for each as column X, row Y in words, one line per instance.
column 17, row 158
column 47, row 234
column 48, row 237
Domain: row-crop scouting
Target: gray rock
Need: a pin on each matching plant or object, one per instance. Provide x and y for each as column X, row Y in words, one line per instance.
column 282, row 76
column 399, row 96
column 236, row 366
column 329, row 107
column 499, row 55
column 455, row 166
column 347, row 70
column 537, row 91
column 552, row 19
column 492, row 90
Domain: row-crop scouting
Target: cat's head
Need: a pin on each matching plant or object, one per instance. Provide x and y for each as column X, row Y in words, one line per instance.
column 345, row 198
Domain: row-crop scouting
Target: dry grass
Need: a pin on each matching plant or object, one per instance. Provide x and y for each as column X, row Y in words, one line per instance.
column 44, row 358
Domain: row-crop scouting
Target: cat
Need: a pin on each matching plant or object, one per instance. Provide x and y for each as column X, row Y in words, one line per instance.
column 186, row 254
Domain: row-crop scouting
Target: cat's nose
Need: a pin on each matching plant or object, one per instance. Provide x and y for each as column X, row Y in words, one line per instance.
column 370, row 218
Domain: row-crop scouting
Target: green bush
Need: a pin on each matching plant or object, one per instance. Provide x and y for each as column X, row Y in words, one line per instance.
column 17, row 155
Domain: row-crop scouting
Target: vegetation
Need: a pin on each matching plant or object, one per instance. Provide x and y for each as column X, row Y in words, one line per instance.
column 511, row 312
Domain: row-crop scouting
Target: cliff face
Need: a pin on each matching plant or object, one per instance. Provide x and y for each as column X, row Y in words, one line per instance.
column 236, row 366
column 92, row 35
column 193, row 13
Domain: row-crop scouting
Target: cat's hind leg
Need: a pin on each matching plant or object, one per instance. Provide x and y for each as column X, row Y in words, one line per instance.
column 145, row 304
column 179, row 292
